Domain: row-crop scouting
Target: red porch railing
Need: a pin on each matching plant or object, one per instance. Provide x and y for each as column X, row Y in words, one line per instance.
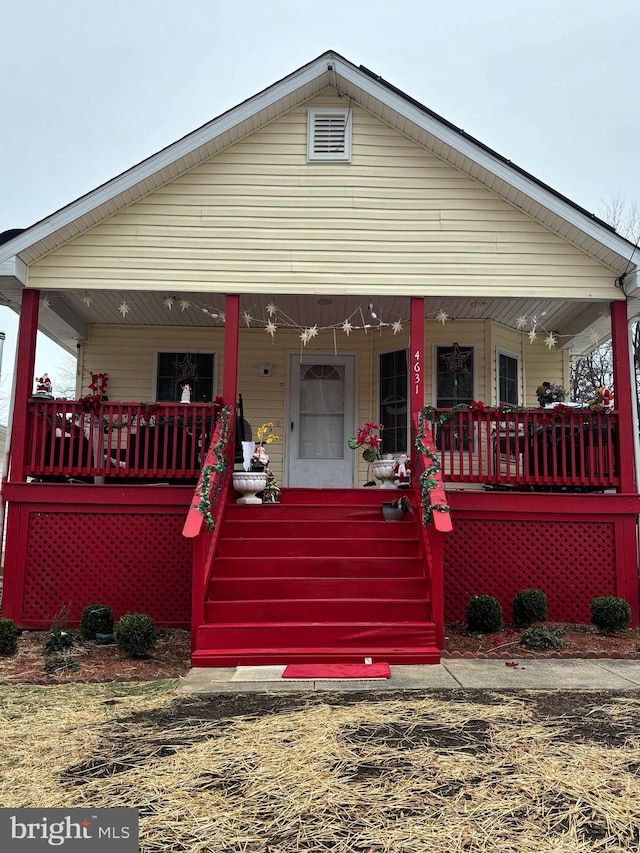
column 575, row 450
column 69, row 439
column 429, row 489
column 202, row 525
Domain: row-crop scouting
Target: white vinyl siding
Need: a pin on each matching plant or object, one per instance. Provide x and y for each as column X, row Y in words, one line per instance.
column 259, row 217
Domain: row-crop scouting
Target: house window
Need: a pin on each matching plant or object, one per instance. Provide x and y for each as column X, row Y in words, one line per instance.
column 329, row 134
column 507, row 379
column 176, row 369
column 455, row 376
column 394, row 404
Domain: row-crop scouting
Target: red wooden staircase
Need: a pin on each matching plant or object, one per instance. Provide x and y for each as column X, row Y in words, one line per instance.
column 319, row 577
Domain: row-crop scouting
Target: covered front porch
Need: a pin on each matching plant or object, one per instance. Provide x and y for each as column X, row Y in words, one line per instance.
column 99, row 493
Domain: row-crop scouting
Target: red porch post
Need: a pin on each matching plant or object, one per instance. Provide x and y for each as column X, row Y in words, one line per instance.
column 24, row 373
column 623, row 391
column 17, row 458
column 231, row 337
column 416, row 356
column 627, row 561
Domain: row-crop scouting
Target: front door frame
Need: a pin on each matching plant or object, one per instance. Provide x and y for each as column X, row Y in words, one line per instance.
column 294, row 359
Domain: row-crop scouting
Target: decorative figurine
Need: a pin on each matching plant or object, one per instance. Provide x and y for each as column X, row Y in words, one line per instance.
column 186, row 394
column 403, row 471
column 43, row 386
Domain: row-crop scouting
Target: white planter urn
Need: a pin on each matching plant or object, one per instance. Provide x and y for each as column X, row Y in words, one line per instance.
column 383, row 470
column 248, row 484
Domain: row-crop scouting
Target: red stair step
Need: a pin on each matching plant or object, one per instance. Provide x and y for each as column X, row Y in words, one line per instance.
column 254, row 588
column 339, row 567
column 317, row 610
column 293, row 547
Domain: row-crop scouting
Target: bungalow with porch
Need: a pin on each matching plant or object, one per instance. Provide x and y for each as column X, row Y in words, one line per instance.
column 326, row 254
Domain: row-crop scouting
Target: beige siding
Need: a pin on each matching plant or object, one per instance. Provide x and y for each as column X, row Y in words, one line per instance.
column 544, row 366
column 258, row 217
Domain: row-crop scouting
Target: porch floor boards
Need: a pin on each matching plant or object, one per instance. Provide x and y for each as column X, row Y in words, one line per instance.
column 318, row 577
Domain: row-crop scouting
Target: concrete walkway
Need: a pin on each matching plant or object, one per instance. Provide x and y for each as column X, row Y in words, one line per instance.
column 453, row 674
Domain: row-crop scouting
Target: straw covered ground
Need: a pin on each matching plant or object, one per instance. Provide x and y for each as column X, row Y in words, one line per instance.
column 385, row 771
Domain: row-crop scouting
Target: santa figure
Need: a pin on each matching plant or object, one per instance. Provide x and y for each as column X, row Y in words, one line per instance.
column 43, row 386
column 403, row 471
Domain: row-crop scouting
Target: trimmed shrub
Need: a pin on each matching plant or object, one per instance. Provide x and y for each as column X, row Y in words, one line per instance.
column 610, row 614
column 8, row 637
column 542, row 639
column 96, row 619
column 484, row 614
column 529, row 606
column 136, row 635
column 57, row 641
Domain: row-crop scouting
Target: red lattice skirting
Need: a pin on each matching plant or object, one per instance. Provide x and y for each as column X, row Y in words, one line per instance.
column 126, row 551
column 573, row 547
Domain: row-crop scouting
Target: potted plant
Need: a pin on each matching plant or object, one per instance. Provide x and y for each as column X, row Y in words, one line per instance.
column 383, row 467
column 396, row 510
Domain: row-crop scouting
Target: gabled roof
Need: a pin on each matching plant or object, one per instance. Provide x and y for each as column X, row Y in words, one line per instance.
column 371, row 92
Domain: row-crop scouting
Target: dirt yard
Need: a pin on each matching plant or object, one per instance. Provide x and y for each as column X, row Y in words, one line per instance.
column 346, row 773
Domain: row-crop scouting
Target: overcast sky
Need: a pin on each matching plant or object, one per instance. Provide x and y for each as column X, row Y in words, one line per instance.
column 89, row 89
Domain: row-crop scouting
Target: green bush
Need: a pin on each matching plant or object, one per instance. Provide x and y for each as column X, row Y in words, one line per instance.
column 610, row 614
column 96, row 619
column 8, row 637
column 136, row 635
column 542, row 639
column 484, row 614
column 57, row 641
column 529, row 606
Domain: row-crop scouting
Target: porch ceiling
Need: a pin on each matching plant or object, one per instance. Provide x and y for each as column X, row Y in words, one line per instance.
column 575, row 322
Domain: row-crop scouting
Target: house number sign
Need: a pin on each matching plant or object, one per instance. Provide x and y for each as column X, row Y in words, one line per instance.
column 417, row 368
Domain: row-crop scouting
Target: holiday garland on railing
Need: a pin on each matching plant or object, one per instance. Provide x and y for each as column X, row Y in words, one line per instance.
column 427, row 479
column 207, row 494
column 602, row 403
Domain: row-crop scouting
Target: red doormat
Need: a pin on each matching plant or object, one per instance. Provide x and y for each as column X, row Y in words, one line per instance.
column 337, row 670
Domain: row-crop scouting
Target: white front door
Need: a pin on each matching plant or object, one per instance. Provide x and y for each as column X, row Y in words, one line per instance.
column 321, row 419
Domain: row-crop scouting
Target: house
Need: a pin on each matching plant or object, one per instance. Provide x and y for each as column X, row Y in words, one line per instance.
column 329, row 252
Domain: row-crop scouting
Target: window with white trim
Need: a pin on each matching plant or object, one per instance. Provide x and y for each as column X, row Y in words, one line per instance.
column 174, row 370
column 508, row 378
column 329, row 134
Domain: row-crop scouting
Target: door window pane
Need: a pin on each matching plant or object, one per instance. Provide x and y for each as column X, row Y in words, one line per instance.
column 321, row 433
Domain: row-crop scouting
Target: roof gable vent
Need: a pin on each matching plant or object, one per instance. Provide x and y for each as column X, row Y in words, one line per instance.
column 329, row 134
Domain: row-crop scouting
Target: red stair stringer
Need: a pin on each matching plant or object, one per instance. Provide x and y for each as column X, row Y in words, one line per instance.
column 318, row 578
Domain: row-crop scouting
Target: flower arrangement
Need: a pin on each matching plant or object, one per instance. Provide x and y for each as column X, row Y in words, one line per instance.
column 549, row 393
column 265, row 435
column 98, row 389
column 602, row 402
column 368, row 437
